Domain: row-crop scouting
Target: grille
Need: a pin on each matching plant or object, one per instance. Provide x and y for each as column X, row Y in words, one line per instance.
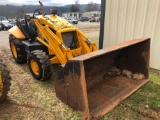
column 70, row 39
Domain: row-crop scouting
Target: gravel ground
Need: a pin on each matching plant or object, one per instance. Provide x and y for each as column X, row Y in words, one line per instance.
column 4, row 39
column 90, row 29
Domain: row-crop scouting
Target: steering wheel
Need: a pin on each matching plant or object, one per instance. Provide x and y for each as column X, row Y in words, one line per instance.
column 37, row 12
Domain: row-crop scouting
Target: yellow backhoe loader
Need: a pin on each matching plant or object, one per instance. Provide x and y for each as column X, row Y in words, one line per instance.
column 4, row 81
column 90, row 81
column 43, row 39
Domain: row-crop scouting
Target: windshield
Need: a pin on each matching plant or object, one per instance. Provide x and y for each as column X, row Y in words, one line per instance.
column 3, row 18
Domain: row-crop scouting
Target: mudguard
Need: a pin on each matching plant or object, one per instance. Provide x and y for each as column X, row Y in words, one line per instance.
column 16, row 32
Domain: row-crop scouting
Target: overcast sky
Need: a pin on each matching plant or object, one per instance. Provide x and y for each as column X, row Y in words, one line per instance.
column 45, row 2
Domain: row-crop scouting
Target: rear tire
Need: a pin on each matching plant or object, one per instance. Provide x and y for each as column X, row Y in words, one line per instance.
column 39, row 65
column 5, row 81
column 18, row 50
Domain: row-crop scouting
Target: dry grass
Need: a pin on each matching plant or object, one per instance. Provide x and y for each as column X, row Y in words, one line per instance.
column 29, row 98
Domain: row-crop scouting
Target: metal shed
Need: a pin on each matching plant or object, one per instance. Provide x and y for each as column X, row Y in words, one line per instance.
column 123, row 20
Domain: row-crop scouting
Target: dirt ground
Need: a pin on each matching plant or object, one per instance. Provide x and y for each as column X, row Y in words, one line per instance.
column 30, row 99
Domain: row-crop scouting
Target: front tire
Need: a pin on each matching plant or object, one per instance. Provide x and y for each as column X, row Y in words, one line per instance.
column 5, row 81
column 39, row 65
column 18, row 50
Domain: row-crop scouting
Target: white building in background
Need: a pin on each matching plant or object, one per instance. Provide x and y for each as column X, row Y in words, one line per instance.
column 89, row 14
column 123, row 20
column 76, row 15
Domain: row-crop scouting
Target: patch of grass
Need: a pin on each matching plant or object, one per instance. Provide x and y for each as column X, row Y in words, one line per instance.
column 143, row 104
column 155, row 76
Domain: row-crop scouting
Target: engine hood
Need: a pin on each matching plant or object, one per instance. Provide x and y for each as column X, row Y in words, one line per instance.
column 55, row 22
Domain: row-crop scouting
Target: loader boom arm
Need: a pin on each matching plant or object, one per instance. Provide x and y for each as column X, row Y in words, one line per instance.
column 50, row 40
column 55, row 44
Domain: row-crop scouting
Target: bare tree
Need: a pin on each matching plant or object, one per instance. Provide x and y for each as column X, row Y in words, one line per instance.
column 76, row 2
column 74, row 7
column 91, row 6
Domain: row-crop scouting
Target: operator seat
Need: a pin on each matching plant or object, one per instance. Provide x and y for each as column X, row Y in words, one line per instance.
column 28, row 28
column 24, row 29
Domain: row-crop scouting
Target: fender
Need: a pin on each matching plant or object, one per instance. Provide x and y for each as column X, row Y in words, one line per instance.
column 16, row 32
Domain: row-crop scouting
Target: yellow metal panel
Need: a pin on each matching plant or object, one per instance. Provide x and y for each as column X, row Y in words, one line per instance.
column 55, row 22
column 58, row 33
column 54, row 60
column 16, row 32
column 53, row 42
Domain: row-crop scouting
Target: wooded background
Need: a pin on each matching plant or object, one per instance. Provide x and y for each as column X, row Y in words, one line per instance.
column 11, row 11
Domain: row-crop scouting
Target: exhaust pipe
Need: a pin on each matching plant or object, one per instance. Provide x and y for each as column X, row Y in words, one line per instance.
column 42, row 7
column 94, row 83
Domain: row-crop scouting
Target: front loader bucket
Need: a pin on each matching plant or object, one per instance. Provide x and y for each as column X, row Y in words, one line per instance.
column 95, row 83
